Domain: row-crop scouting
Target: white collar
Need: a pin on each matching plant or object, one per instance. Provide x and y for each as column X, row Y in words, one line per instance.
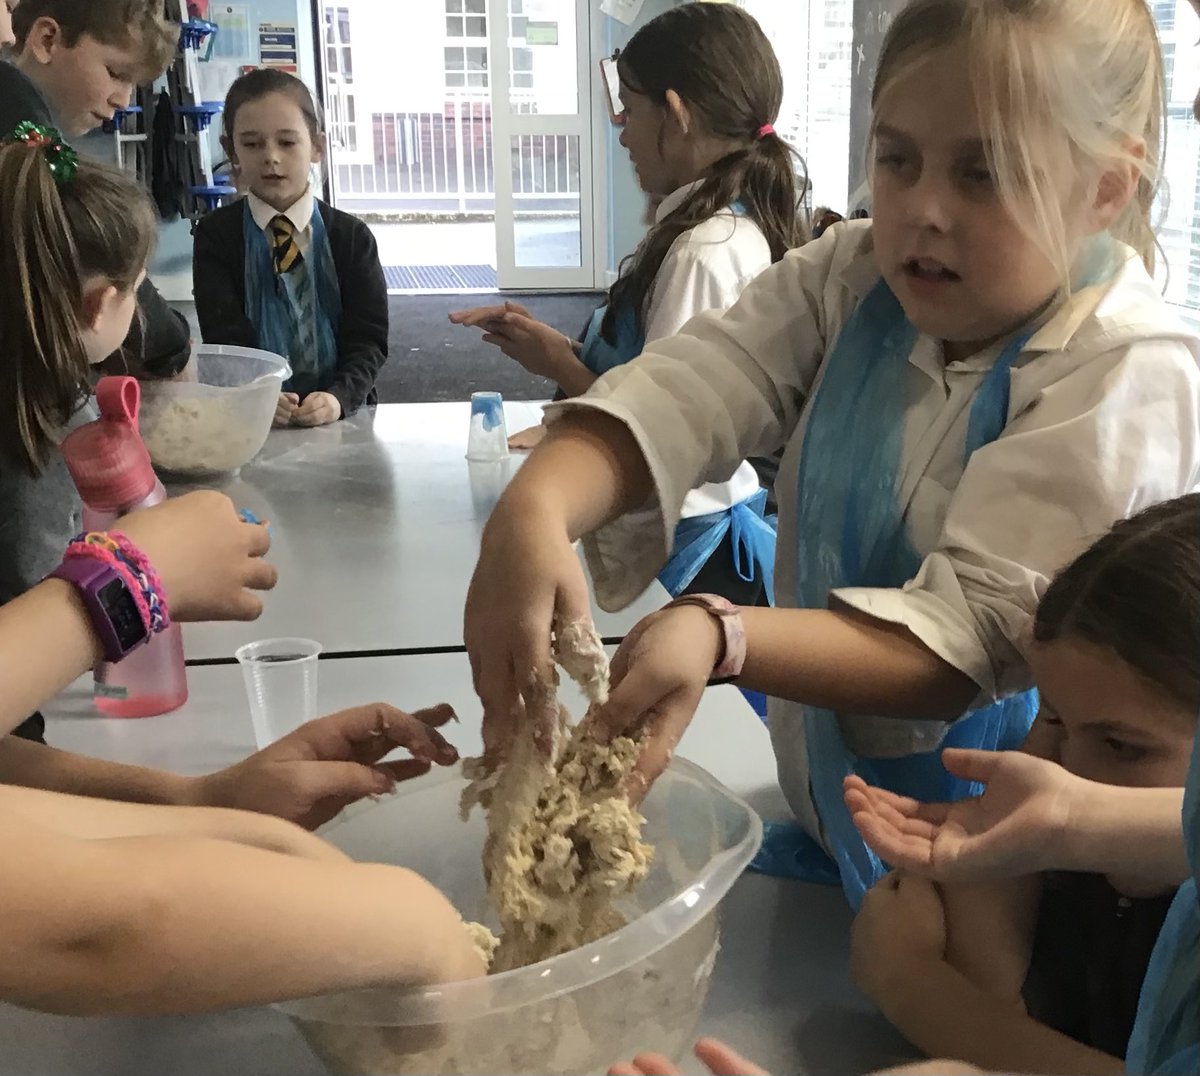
column 299, row 213
column 674, row 200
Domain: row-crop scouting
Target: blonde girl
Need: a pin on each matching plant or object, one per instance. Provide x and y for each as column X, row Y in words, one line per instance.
column 970, row 387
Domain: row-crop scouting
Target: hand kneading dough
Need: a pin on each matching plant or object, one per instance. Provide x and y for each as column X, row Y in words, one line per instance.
column 563, row 842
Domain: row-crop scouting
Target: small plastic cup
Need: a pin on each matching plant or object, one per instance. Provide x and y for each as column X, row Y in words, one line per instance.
column 281, row 683
column 488, row 439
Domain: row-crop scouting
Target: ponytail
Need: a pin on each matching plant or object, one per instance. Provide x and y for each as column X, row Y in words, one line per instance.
column 761, row 178
column 718, row 60
column 52, row 239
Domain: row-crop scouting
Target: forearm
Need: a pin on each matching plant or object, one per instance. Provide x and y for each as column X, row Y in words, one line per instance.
column 98, row 819
column 1134, row 832
column 572, row 376
column 37, row 766
column 851, row 663
column 990, row 929
column 31, row 669
column 587, row 472
column 948, row 1016
column 169, row 925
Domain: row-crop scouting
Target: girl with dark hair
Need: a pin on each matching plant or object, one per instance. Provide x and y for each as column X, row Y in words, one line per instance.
column 701, row 88
column 285, row 272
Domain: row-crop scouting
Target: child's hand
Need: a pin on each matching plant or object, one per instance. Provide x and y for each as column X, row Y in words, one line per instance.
column 208, row 558
column 527, row 578
column 527, row 439
column 311, row 775
column 484, row 316
column 543, row 351
column 1011, row 829
column 285, row 409
column 658, row 675
column 718, row 1058
column 318, row 409
column 901, row 924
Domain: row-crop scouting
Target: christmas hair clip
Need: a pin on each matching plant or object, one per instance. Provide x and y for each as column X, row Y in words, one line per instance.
column 61, row 159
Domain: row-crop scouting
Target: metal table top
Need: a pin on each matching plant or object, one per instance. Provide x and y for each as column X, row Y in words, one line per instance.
column 376, row 523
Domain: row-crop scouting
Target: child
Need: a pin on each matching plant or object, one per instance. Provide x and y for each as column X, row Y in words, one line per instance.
column 128, row 908
column 1117, row 665
column 1034, row 813
column 971, row 384
column 700, row 86
column 1118, row 670
column 283, row 271
column 74, row 64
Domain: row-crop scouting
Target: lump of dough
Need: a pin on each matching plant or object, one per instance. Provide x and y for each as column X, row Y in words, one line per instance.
column 563, row 842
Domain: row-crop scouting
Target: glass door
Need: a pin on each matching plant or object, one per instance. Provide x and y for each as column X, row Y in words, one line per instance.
column 542, row 142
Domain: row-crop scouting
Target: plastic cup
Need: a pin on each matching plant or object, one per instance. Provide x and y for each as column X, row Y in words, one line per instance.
column 281, row 683
column 488, row 439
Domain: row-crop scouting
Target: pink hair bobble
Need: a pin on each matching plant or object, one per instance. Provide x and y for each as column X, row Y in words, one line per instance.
column 764, row 130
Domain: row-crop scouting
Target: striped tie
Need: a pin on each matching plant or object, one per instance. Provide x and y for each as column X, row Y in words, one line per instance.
column 284, row 247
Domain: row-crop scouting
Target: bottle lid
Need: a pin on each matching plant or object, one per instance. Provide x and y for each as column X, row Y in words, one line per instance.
column 107, row 459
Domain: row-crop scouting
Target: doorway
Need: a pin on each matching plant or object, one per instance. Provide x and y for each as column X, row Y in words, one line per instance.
column 461, row 131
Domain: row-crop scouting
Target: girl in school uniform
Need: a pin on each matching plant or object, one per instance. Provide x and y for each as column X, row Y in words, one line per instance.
column 281, row 270
column 700, row 88
column 970, row 386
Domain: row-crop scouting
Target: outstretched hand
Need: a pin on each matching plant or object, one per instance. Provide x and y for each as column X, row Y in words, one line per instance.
column 311, row 775
column 1010, row 829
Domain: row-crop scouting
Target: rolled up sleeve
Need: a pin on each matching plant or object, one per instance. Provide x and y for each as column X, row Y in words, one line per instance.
column 727, row 386
column 1117, row 435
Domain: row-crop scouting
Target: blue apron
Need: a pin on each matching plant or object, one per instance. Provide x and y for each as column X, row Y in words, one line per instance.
column 1166, row 1034
column 851, row 533
column 697, row 537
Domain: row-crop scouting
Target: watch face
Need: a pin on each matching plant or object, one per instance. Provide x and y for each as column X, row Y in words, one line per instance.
column 123, row 612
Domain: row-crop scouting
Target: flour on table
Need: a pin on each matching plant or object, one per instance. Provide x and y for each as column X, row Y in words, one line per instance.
column 563, row 842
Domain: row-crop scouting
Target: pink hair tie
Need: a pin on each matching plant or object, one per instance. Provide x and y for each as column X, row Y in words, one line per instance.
column 764, row 130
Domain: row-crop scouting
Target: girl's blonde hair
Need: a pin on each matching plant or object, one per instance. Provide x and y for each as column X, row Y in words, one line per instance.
column 52, row 239
column 1087, row 74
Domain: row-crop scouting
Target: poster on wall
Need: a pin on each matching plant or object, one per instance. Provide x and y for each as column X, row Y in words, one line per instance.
column 277, row 46
column 232, row 40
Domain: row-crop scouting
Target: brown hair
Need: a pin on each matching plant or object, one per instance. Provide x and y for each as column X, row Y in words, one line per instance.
column 1137, row 591
column 137, row 25
column 52, row 239
column 1048, row 75
column 719, row 61
column 257, row 84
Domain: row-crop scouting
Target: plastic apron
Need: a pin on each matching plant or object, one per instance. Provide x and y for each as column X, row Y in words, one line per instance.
column 851, row 533
column 1166, row 1035
column 696, row 537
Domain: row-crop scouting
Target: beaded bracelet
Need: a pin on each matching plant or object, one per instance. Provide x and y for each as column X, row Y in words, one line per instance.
column 116, row 550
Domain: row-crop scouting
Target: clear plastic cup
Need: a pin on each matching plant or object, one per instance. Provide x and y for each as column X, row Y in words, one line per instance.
column 488, row 439
column 281, row 683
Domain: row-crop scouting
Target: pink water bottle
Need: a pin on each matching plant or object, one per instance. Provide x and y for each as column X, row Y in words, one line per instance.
column 112, row 471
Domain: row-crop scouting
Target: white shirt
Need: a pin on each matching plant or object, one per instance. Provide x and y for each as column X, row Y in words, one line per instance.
column 299, row 213
column 1104, row 420
column 707, row 268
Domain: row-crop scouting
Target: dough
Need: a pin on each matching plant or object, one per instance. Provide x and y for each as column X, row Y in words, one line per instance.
column 484, row 940
column 563, row 845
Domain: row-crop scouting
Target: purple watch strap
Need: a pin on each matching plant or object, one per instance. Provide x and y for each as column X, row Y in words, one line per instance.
column 90, row 577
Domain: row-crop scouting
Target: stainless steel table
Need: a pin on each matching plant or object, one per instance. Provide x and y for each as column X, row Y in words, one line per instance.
column 781, row 991
column 375, row 530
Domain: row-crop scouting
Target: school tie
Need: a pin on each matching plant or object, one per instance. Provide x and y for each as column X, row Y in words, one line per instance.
column 284, row 248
